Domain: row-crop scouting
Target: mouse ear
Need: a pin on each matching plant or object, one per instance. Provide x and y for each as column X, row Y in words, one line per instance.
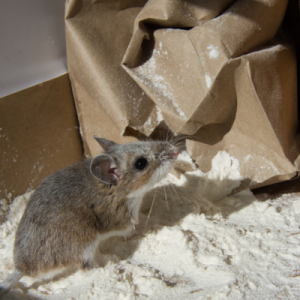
column 104, row 168
column 104, row 143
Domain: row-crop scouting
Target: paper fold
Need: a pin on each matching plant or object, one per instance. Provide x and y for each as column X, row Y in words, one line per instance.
column 214, row 71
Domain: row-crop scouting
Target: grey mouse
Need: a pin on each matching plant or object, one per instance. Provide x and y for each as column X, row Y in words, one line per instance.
column 76, row 208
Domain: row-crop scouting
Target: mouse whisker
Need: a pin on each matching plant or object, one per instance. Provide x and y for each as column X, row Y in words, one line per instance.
column 179, row 142
column 181, row 188
column 166, row 135
column 180, row 138
column 171, row 192
column 148, row 217
column 170, row 135
column 166, row 198
column 175, row 192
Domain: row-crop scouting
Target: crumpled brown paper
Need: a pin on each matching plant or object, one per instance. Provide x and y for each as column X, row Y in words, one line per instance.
column 213, row 70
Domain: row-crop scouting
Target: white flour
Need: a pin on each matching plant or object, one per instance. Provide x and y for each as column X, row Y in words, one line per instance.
column 148, row 75
column 204, row 247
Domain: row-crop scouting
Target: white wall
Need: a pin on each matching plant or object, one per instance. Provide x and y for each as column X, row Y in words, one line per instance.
column 32, row 43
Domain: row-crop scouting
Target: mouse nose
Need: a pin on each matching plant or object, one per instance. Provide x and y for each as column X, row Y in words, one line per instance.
column 174, row 152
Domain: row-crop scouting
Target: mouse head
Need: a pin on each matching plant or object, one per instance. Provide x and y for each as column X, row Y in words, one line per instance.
column 133, row 165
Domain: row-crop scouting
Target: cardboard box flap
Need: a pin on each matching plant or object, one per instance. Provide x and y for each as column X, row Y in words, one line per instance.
column 38, row 136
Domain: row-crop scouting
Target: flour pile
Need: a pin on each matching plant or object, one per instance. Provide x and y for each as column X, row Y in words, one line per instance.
column 199, row 244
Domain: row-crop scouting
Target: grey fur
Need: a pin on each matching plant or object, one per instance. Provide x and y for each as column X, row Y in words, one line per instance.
column 71, row 207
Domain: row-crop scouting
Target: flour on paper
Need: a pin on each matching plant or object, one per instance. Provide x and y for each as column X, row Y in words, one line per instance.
column 213, row 51
column 147, row 73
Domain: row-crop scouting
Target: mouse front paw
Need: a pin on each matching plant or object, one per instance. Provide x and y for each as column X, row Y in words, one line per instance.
column 131, row 234
column 134, row 222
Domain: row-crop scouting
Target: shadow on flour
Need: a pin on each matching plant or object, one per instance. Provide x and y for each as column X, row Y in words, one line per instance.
column 22, row 292
column 197, row 195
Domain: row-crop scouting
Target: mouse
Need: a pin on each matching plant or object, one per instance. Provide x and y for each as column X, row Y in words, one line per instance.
column 76, row 208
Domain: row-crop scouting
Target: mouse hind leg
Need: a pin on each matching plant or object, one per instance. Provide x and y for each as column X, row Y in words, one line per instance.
column 90, row 253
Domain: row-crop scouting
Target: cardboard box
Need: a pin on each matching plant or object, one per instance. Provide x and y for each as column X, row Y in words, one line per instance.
column 39, row 135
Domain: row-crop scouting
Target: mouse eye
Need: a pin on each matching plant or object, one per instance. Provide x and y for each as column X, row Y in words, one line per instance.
column 141, row 163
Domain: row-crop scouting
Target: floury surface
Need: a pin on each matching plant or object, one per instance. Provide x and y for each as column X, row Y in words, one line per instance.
column 199, row 244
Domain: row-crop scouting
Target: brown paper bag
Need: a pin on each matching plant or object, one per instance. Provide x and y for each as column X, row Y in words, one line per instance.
column 213, row 71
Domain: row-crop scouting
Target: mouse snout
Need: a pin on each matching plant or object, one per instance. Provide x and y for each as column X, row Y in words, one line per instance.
column 174, row 152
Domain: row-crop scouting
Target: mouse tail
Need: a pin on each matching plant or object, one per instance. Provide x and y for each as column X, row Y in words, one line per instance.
column 10, row 281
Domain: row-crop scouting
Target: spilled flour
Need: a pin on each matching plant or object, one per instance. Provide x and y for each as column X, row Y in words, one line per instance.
column 199, row 244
